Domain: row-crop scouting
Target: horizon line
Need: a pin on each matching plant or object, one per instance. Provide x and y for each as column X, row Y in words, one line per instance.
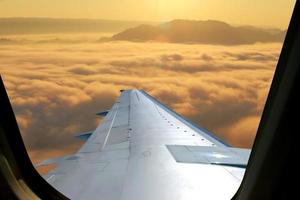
column 149, row 21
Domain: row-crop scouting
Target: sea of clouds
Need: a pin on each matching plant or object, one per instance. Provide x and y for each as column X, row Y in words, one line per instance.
column 56, row 84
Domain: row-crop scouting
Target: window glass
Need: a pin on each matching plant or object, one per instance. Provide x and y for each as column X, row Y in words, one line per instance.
column 211, row 61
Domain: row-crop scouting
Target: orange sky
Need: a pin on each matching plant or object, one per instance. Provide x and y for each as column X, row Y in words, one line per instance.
column 255, row 12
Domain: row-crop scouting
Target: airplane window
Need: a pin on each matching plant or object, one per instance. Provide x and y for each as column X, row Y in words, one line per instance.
column 211, row 61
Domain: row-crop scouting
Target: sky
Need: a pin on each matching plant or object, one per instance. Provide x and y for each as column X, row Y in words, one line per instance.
column 271, row 13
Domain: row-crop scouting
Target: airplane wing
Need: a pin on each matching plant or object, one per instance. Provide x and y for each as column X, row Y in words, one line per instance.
column 144, row 150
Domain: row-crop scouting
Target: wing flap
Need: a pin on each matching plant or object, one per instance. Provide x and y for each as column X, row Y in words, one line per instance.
column 226, row 156
column 84, row 136
column 102, row 113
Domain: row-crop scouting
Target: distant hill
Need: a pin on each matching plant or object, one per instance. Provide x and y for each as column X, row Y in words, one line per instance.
column 204, row 32
column 52, row 25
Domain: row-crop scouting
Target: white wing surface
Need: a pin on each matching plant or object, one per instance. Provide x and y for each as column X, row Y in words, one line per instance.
column 143, row 150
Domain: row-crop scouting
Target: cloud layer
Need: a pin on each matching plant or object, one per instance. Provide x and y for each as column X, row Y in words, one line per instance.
column 56, row 88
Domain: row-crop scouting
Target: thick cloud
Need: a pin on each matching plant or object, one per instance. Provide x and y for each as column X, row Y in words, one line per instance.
column 56, row 88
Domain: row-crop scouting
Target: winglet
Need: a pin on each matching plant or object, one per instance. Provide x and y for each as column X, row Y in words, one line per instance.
column 102, row 113
column 84, row 135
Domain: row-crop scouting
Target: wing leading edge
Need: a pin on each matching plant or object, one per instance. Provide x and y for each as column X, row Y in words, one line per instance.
column 144, row 150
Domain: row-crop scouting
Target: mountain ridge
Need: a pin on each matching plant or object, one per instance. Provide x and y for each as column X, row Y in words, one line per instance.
column 198, row 31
